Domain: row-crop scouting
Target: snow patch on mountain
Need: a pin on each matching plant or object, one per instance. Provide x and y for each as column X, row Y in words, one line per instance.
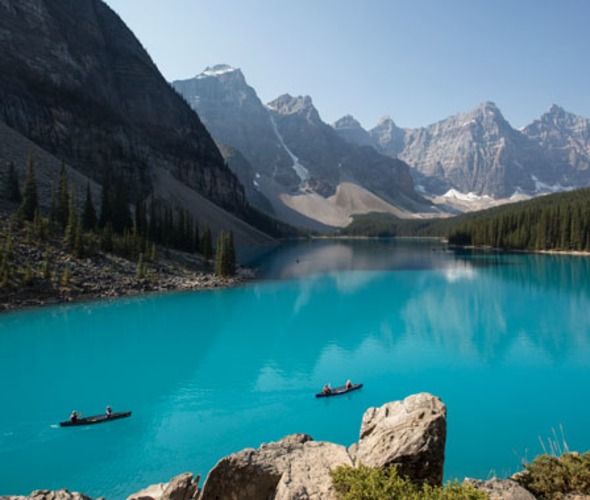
column 300, row 170
column 217, row 70
column 470, row 197
column 543, row 188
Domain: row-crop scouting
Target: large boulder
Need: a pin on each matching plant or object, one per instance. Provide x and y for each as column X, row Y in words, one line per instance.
column 181, row 487
column 294, row 467
column 501, row 489
column 408, row 434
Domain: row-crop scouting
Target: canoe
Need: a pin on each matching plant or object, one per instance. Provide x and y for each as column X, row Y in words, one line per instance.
column 96, row 419
column 338, row 391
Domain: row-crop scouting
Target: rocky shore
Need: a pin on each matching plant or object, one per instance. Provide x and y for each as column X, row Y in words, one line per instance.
column 101, row 276
column 408, row 434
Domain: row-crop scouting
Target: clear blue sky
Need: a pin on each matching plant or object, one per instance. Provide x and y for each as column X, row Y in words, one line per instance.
column 418, row 61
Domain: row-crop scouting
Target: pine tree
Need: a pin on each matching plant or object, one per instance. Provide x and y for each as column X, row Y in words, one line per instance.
column 46, row 271
column 141, row 270
column 78, row 248
column 63, row 198
column 66, row 276
column 220, row 254
column 30, row 203
column 106, row 238
column 70, row 234
column 225, row 255
column 230, row 257
column 121, row 215
column 53, row 208
column 28, row 276
column 197, row 238
column 106, row 211
column 11, row 185
column 206, row 244
column 89, row 214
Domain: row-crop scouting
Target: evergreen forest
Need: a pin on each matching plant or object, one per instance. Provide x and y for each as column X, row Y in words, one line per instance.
column 556, row 222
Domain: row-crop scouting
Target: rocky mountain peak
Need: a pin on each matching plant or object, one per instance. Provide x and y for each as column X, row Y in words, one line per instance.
column 347, row 122
column 223, row 72
column 556, row 121
column 565, row 137
column 389, row 138
column 487, row 112
column 386, row 121
column 352, row 131
column 556, row 110
column 286, row 104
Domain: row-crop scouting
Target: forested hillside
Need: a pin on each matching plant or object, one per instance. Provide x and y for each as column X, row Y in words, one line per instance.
column 555, row 222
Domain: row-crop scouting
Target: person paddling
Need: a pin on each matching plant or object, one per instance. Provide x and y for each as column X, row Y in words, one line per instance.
column 108, row 411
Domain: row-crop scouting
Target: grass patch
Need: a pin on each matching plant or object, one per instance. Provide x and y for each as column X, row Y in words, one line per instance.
column 369, row 483
column 552, row 477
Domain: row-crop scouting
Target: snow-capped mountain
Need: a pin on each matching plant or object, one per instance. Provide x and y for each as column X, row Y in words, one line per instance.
column 477, row 152
column 234, row 115
column 478, row 156
column 310, row 176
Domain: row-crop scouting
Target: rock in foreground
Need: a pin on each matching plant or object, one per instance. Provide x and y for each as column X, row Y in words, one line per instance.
column 294, row 467
column 409, row 434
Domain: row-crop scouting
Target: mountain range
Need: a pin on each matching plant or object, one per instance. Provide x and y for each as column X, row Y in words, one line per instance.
column 77, row 88
column 468, row 161
column 478, row 153
column 299, row 166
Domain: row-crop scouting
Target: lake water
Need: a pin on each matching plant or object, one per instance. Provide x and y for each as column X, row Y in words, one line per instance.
column 504, row 340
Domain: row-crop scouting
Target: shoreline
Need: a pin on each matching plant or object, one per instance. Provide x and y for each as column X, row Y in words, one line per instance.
column 106, row 277
column 200, row 282
column 563, row 253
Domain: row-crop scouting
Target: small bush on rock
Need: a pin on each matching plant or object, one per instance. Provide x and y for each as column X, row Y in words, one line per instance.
column 368, row 483
column 550, row 477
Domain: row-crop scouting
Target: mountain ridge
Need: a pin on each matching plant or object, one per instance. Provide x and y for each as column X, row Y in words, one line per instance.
column 308, row 161
column 479, row 153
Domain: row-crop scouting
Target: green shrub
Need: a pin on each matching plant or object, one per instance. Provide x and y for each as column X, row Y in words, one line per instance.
column 368, row 483
column 550, row 477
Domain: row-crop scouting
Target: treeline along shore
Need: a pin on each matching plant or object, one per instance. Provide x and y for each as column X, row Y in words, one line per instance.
column 73, row 252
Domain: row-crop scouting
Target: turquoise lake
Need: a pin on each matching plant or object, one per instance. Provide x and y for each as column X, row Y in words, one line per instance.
column 503, row 340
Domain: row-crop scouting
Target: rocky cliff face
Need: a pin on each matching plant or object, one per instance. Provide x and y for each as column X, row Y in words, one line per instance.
column 235, row 116
column 565, row 139
column 330, row 160
column 299, row 162
column 479, row 153
column 76, row 81
column 475, row 152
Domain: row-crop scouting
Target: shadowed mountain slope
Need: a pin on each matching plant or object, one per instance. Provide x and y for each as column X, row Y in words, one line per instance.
column 75, row 81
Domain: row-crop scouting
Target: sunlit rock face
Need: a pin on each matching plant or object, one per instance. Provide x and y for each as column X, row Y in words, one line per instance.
column 565, row 138
column 480, row 153
column 294, row 467
column 474, row 152
column 409, row 434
